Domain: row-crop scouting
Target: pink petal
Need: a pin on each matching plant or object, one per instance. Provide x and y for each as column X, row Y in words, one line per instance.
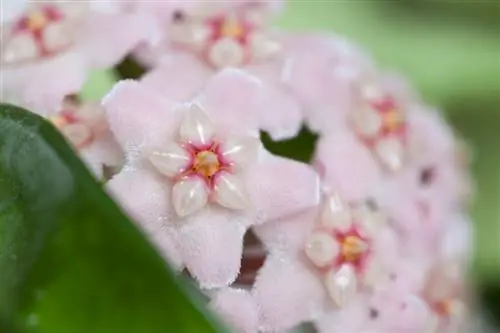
column 287, row 234
column 280, row 187
column 288, row 293
column 28, row 86
column 237, row 308
column 233, row 99
column 107, row 38
column 139, row 119
column 180, row 77
column 211, row 244
column 282, row 117
column 146, row 198
column 350, row 319
column 349, row 167
column 105, row 150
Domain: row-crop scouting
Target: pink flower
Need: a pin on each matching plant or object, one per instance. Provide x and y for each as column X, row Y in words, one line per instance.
column 85, row 127
column 313, row 268
column 62, row 41
column 197, row 177
column 197, row 46
column 423, row 197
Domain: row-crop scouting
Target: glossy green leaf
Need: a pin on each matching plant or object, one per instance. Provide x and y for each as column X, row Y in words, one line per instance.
column 70, row 261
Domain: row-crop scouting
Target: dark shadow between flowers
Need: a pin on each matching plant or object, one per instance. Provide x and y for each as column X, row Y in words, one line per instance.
column 299, row 148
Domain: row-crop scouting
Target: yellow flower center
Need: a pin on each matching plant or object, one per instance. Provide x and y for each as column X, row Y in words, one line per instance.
column 352, row 248
column 37, row 20
column 232, row 28
column 393, row 119
column 206, row 163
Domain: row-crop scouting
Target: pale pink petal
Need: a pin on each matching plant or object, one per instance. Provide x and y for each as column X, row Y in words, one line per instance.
column 288, row 234
column 350, row 319
column 281, row 187
column 146, row 198
column 458, row 241
column 288, row 293
column 28, row 85
column 349, row 167
column 211, row 243
column 139, row 119
column 398, row 311
column 106, row 38
column 233, row 100
column 179, row 77
column 106, row 150
column 237, row 308
column 282, row 117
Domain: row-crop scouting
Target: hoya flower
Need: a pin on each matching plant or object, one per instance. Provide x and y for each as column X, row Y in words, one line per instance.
column 423, row 197
column 197, row 46
column 321, row 264
column 85, row 127
column 197, row 176
column 62, row 40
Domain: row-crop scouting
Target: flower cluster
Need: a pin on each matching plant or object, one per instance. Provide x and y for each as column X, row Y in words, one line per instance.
column 371, row 236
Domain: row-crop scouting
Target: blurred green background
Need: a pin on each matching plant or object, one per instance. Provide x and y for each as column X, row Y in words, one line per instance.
column 450, row 50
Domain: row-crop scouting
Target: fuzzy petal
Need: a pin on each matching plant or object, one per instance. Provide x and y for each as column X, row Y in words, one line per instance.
column 146, row 199
column 237, row 308
column 107, row 38
column 281, row 187
column 106, row 151
column 139, row 119
column 350, row 169
column 287, row 234
column 233, row 100
column 288, row 293
column 28, row 85
column 179, row 77
column 211, row 243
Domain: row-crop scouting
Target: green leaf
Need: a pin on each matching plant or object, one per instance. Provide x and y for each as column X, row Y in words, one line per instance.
column 70, row 261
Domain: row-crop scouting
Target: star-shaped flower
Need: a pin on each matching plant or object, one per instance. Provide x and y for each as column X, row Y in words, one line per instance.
column 62, row 41
column 195, row 46
column 85, row 127
column 323, row 263
column 197, row 177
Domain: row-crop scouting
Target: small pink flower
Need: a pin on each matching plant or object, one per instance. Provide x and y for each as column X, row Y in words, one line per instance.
column 321, row 267
column 195, row 47
column 62, row 41
column 85, row 127
column 197, row 177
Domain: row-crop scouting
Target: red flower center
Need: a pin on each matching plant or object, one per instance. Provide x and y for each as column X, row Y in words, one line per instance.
column 230, row 26
column 35, row 22
column 393, row 118
column 206, row 162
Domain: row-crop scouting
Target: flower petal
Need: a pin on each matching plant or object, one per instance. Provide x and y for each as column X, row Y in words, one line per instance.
column 350, row 169
column 342, row 285
column 179, row 77
column 189, row 195
column 105, row 150
column 232, row 99
column 287, row 235
column 237, row 308
column 28, row 85
column 336, row 214
column 226, row 52
column 240, row 151
column 139, row 119
column 322, row 248
column 230, row 192
column 211, row 244
column 106, row 38
column 196, row 126
column 146, row 199
column 280, row 187
column 391, row 152
column 288, row 294
column 171, row 160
